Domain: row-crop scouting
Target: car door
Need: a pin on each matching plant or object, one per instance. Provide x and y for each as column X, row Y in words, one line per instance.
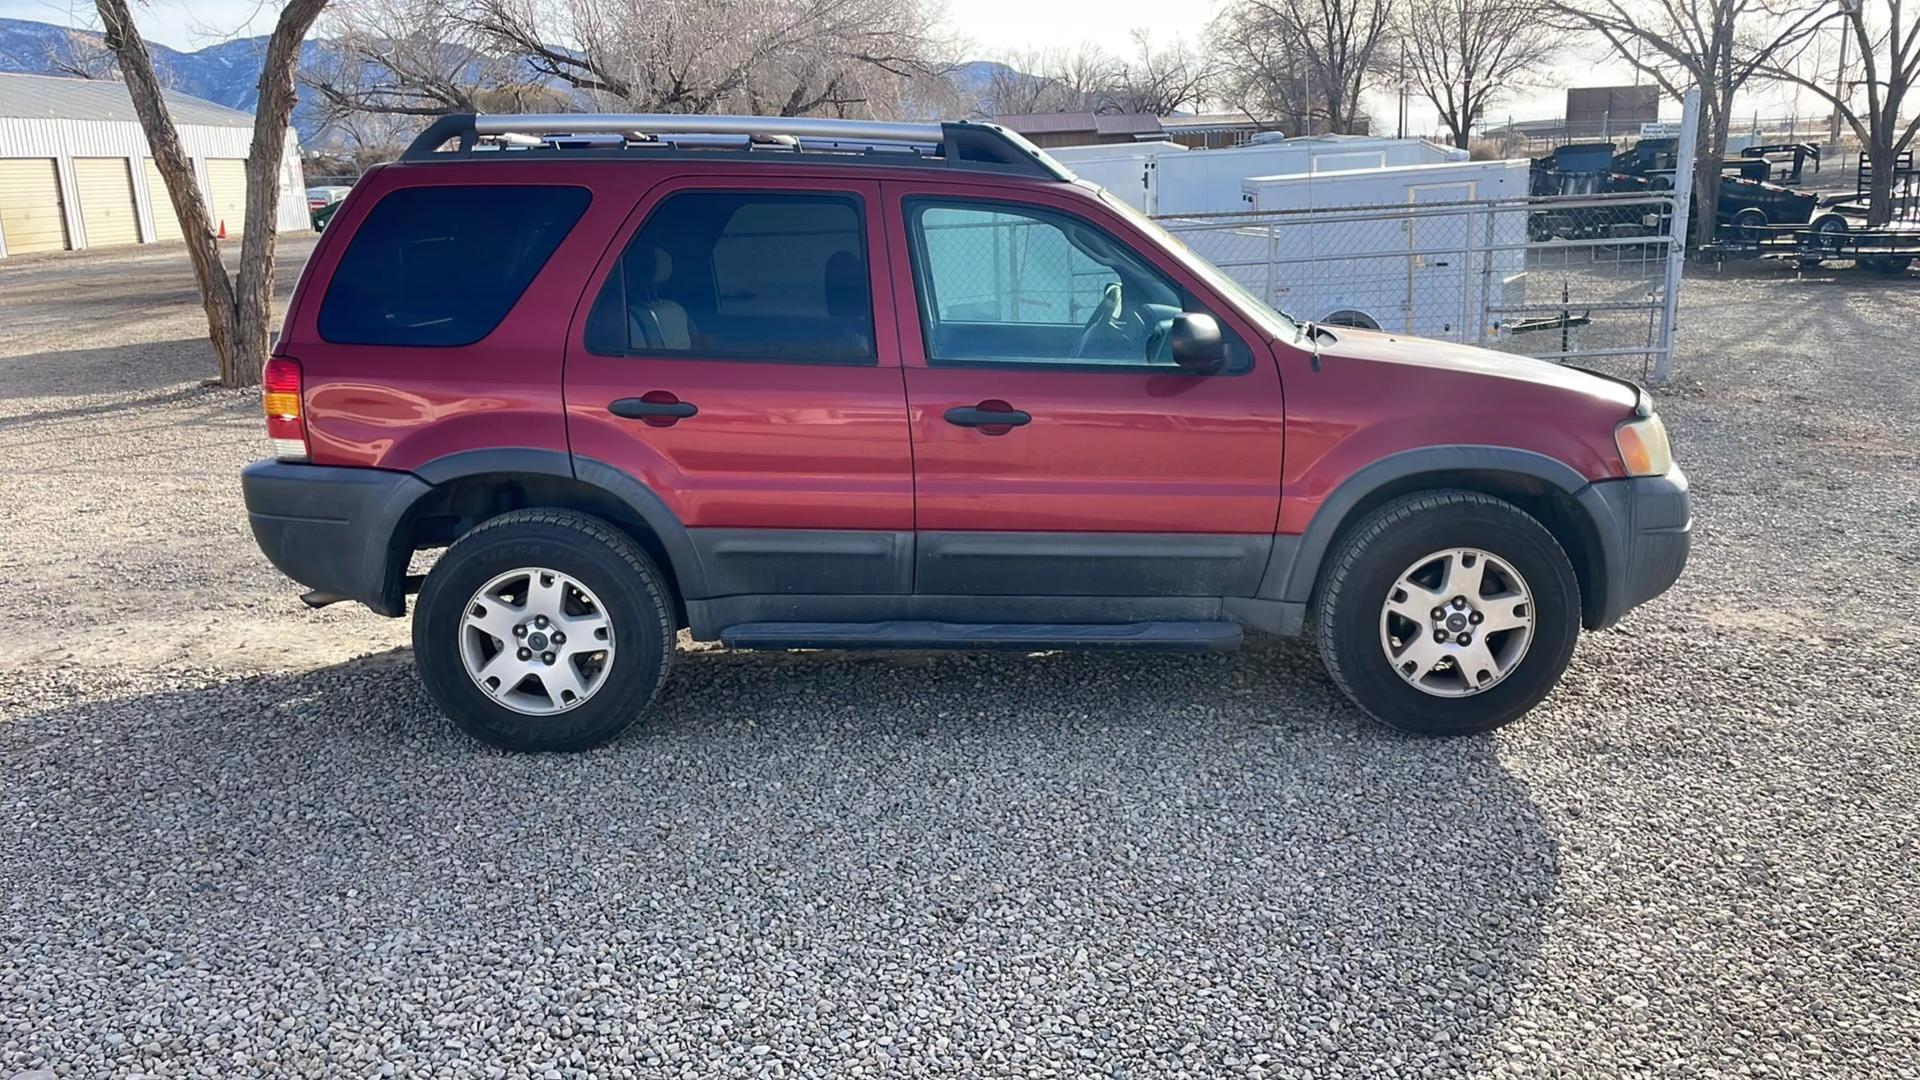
column 1058, row 449
column 726, row 356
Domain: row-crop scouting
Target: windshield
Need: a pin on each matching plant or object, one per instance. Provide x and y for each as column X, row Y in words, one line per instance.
column 1275, row 320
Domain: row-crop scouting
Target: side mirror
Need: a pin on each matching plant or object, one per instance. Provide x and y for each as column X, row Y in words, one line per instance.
column 1195, row 342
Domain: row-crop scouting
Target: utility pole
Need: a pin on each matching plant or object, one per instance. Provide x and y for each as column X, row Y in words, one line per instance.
column 1403, row 91
column 1847, row 7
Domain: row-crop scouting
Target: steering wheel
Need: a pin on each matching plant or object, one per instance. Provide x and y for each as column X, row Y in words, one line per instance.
column 1106, row 312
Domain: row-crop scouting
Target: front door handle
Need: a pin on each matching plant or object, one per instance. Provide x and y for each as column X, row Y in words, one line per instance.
column 658, row 408
column 992, row 417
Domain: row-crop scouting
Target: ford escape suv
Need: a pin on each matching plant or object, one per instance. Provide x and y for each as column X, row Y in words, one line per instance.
column 838, row 384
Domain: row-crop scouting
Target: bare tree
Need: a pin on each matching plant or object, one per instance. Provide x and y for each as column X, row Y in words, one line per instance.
column 1462, row 54
column 80, row 54
column 1887, row 40
column 787, row 57
column 1080, row 79
column 1261, row 74
column 1311, row 58
column 1716, row 45
column 405, row 58
column 1010, row 90
column 1162, row 81
column 239, row 307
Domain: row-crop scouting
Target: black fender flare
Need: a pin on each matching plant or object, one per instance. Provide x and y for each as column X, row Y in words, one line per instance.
column 634, row 496
column 1294, row 583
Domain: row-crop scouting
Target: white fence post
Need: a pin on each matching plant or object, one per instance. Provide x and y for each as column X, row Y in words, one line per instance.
column 1677, row 235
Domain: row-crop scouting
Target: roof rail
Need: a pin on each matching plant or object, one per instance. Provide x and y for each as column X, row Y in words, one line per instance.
column 957, row 144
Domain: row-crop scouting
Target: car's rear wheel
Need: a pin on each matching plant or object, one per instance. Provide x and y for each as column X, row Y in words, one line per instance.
column 543, row 630
column 1448, row 612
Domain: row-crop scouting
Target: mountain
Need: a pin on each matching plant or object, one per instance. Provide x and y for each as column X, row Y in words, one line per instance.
column 226, row 74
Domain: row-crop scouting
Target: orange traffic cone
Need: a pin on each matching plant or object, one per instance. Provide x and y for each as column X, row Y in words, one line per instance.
column 222, row 235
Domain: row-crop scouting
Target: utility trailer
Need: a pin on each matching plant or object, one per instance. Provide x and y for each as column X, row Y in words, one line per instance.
column 1885, row 249
column 1168, row 178
column 1417, row 249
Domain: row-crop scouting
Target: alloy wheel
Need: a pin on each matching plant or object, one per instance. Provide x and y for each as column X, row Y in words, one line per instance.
column 1457, row 622
column 537, row 641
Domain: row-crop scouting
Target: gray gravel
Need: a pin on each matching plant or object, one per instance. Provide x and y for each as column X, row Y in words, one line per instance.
column 237, row 840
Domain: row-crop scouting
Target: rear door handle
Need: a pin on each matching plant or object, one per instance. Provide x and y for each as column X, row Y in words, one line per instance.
column 658, row 408
column 988, row 414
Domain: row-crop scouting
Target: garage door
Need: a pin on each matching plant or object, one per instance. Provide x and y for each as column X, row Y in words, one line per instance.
column 107, row 212
column 30, row 216
column 228, row 179
column 166, row 224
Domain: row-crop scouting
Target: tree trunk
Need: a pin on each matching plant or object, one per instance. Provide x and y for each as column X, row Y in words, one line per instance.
column 1880, row 157
column 1708, row 151
column 176, row 169
column 239, row 312
column 253, row 290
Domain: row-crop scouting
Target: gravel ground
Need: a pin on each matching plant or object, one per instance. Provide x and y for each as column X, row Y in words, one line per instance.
column 238, row 841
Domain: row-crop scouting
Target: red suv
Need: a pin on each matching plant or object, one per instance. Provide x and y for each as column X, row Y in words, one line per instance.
column 839, row 384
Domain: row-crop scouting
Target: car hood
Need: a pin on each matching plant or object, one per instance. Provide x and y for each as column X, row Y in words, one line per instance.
column 1379, row 347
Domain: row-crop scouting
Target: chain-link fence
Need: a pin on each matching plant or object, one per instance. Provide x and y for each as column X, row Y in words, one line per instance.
column 1010, row 268
column 1569, row 278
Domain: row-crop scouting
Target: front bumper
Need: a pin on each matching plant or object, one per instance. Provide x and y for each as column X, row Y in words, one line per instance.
column 1645, row 525
column 333, row 529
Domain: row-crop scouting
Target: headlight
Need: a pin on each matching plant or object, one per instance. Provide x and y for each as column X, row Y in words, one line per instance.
column 1643, row 446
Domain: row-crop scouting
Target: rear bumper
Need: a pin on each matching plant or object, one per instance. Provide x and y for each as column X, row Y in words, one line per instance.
column 1645, row 525
column 333, row 529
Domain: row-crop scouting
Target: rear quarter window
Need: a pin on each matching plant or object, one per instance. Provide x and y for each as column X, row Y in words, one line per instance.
column 441, row 266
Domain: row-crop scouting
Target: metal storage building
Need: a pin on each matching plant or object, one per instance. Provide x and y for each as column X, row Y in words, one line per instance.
column 75, row 170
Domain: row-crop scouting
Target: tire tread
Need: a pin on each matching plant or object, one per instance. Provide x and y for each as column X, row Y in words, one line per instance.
column 591, row 531
column 1356, row 545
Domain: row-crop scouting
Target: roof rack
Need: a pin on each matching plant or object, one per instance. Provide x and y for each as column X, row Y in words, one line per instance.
column 955, row 144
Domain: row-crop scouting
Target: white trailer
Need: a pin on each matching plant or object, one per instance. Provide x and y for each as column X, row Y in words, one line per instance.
column 1417, row 249
column 1167, row 178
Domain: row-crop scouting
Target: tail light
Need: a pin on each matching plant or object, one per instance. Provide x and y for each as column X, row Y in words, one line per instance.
column 280, row 393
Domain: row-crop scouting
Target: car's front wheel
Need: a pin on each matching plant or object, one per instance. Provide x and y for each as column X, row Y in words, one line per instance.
column 543, row 630
column 1448, row 613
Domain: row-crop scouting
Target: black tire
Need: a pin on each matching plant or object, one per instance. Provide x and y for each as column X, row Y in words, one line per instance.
column 1885, row 264
column 1828, row 230
column 1371, row 557
column 607, row 561
column 1750, row 226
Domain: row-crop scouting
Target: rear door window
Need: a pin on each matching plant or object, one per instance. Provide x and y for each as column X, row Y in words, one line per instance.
column 742, row 276
column 441, row 266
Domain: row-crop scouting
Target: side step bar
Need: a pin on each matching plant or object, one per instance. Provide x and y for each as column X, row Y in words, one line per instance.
column 908, row 634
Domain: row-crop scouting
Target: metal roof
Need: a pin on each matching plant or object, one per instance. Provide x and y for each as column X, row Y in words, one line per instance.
column 50, row 97
column 1057, row 123
column 1045, row 123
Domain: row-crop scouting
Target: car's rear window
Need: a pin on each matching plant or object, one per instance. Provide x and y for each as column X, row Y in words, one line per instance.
column 442, row 266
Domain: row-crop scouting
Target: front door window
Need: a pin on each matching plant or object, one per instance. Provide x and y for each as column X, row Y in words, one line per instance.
column 1025, row 286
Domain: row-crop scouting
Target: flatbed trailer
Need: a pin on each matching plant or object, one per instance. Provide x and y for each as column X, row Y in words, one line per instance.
column 1886, row 249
